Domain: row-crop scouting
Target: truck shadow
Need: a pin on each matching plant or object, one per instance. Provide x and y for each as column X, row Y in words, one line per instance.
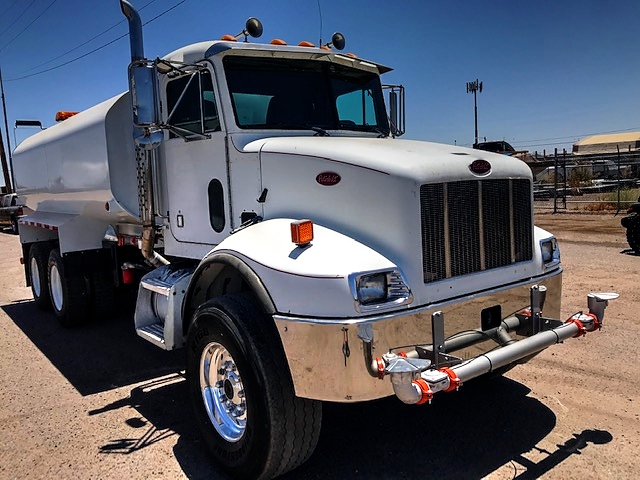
column 96, row 357
column 466, row 434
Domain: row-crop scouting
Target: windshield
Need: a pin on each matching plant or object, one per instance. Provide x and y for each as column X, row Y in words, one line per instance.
column 304, row 94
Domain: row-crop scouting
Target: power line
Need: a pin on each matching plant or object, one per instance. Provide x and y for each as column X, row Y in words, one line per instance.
column 28, row 25
column 86, row 42
column 20, row 16
column 8, row 8
column 94, row 50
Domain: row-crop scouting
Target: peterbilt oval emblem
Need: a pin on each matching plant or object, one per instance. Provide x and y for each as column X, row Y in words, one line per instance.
column 328, row 178
column 480, row 167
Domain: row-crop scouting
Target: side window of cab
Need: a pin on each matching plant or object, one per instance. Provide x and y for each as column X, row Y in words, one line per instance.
column 191, row 105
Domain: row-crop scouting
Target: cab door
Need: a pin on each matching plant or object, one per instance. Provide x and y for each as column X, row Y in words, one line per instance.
column 195, row 162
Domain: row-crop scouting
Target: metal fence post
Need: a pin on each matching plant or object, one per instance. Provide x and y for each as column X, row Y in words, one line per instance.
column 555, row 181
column 564, row 176
column 618, row 182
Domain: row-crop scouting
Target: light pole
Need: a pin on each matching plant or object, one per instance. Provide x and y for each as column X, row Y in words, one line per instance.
column 475, row 87
column 8, row 179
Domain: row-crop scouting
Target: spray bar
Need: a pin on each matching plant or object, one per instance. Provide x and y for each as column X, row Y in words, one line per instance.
column 414, row 382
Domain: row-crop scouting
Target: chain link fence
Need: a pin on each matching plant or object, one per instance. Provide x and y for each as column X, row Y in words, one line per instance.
column 596, row 182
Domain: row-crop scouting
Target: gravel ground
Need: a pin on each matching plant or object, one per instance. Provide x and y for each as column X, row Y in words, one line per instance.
column 99, row 403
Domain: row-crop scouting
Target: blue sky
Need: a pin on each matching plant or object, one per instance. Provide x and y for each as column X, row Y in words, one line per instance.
column 553, row 71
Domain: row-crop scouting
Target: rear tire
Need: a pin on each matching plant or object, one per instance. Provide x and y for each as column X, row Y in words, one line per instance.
column 38, row 258
column 633, row 234
column 242, row 392
column 14, row 226
column 69, row 293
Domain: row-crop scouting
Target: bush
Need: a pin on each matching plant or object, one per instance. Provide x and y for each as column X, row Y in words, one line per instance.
column 579, row 177
column 609, row 200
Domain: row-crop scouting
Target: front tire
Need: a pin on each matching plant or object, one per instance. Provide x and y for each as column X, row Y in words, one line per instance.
column 633, row 234
column 242, row 392
column 69, row 293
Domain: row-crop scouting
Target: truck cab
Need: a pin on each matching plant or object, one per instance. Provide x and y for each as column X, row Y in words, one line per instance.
column 229, row 107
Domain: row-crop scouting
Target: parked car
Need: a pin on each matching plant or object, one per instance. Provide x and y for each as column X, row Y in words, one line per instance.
column 497, row 147
column 10, row 210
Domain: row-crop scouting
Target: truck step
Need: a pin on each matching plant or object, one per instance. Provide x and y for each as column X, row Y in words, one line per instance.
column 156, row 285
column 158, row 316
column 153, row 333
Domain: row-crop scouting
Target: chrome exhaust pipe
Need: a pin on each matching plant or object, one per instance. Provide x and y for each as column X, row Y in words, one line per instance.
column 135, row 30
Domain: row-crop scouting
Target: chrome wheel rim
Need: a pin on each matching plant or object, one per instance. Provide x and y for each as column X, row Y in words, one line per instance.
column 35, row 277
column 223, row 392
column 55, row 283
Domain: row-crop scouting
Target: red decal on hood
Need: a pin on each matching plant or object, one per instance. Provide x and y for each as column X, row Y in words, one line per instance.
column 328, row 178
column 480, row 167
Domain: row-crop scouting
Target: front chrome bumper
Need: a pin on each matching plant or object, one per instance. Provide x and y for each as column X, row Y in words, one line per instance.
column 329, row 358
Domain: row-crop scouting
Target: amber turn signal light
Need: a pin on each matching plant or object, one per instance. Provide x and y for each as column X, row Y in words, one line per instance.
column 302, row 232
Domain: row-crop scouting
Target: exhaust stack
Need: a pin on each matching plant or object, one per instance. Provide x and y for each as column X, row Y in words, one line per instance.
column 135, row 31
column 143, row 87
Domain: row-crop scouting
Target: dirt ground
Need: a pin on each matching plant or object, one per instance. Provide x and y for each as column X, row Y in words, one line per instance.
column 99, row 403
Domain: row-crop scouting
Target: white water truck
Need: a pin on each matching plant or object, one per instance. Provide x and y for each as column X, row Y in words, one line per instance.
column 258, row 198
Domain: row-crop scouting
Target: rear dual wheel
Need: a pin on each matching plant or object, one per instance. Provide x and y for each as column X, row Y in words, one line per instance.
column 69, row 293
column 85, row 293
column 38, row 277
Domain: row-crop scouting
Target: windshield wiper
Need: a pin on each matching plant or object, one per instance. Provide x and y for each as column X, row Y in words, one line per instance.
column 366, row 128
column 321, row 132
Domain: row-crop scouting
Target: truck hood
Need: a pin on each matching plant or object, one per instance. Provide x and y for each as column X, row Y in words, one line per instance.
column 424, row 162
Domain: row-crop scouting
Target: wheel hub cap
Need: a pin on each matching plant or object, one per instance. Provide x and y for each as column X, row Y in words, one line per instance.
column 35, row 276
column 55, row 283
column 223, row 392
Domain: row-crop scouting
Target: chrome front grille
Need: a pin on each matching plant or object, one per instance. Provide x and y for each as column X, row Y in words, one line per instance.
column 475, row 225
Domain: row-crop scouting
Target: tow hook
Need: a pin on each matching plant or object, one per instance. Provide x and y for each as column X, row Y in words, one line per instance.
column 415, row 380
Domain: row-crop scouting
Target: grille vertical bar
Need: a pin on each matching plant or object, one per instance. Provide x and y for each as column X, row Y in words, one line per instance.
column 475, row 225
column 434, row 263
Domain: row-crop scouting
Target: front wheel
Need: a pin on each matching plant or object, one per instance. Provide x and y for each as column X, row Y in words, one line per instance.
column 633, row 234
column 243, row 394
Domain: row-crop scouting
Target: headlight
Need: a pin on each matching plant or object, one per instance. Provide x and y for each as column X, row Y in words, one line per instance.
column 550, row 251
column 380, row 290
column 372, row 288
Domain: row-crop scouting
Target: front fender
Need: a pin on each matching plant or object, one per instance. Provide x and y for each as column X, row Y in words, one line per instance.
column 303, row 281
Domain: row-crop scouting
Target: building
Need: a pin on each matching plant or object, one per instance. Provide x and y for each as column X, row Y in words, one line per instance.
column 610, row 143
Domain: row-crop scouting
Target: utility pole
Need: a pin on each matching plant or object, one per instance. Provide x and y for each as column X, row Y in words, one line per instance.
column 5, row 169
column 475, row 87
column 3, row 157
